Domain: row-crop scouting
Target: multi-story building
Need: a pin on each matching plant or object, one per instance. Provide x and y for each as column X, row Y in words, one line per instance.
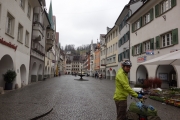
column 50, row 58
column 155, row 30
column 123, row 33
column 103, row 55
column 92, row 57
column 76, row 64
column 112, row 52
column 68, row 66
column 86, row 63
column 97, row 58
column 15, row 37
column 38, row 41
column 62, row 64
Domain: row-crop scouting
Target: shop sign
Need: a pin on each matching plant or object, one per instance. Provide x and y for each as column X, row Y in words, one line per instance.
column 150, row 52
column 141, row 59
column 8, row 44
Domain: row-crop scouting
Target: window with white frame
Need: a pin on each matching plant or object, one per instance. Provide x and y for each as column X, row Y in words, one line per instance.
column 10, row 24
column 20, row 33
column 29, row 11
column 137, row 49
column 166, row 40
column 147, row 18
column 146, row 46
column 27, row 39
column 165, row 5
column 137, row 25
column 22, row 3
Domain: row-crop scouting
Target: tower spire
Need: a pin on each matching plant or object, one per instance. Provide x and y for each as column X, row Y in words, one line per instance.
column 50, row 15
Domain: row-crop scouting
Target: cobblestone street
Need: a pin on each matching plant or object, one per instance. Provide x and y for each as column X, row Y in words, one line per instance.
column 70, row 99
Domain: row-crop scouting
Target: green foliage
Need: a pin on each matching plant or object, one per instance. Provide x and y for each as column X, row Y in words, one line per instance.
column 9, row 76
column 157, row 98
column 175, row 89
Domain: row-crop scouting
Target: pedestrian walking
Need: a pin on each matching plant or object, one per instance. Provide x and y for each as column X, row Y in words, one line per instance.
column 123, row 89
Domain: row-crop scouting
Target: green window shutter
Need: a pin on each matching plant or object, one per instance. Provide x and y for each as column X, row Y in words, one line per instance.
column 120, row 41
column 157, row 42
column 151, row 14
column 152, row 44
column 118, row 58
column 125, row 37
column 132, row 50
column 140, row 20
column 175, row 36
column 128, row 35
column 173, row 3
column 132, row 27
column 157, row 10
column 140, row 45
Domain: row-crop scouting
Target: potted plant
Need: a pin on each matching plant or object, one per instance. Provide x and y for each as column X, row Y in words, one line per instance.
column 9, row 77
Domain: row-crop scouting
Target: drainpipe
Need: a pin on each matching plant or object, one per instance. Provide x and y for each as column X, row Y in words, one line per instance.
column 129, row 31
column 129, row 37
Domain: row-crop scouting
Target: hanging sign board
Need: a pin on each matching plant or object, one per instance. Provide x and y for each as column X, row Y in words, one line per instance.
column 149, row 52
column 141, row 59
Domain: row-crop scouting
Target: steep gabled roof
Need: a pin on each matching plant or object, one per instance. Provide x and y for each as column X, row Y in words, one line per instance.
column 50, row 15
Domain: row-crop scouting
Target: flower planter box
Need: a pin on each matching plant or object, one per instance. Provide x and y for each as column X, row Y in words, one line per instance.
column 177, row 103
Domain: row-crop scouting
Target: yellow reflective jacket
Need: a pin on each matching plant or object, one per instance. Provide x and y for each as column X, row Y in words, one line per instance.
column 122, row 86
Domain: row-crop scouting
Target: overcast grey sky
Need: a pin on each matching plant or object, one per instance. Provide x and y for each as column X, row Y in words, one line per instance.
column 80, row 21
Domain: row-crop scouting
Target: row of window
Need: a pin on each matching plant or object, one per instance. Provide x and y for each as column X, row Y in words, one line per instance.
column 123, row 23
column 75, row 69
column 161, row 41
column 111, row 49
column 111, row 59
column 38, row 46
column 112, row 35
column 75, row 65
column 22, row 5
column 124, row 39
column 10, row 23
column 123, row 55
column 160, row 9
column 164, row 6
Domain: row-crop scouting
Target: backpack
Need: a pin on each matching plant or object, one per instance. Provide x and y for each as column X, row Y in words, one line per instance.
column 144, row 111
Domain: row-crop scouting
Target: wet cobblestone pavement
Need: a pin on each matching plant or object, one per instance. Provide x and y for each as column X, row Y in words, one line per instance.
column 70, row 99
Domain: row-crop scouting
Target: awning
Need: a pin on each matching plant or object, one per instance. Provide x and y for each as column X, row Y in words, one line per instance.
column 167, row 59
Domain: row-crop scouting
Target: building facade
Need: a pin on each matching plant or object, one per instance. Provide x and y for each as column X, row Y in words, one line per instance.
column 103, row 55
column 112, row 53
column 97, row 58
column 155, row 30
column 38, row 41
column 15, row 38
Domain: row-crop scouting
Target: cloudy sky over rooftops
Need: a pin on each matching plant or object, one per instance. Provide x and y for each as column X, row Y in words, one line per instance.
column 80, row 21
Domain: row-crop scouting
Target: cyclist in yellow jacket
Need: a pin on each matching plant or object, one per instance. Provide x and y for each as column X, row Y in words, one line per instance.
column 123, row 89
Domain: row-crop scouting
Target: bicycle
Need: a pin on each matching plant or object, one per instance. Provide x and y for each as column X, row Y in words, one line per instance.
column 140, row 111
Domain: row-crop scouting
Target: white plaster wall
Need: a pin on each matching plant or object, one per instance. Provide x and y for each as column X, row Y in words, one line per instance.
column 154, row 28
column 22, row 59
